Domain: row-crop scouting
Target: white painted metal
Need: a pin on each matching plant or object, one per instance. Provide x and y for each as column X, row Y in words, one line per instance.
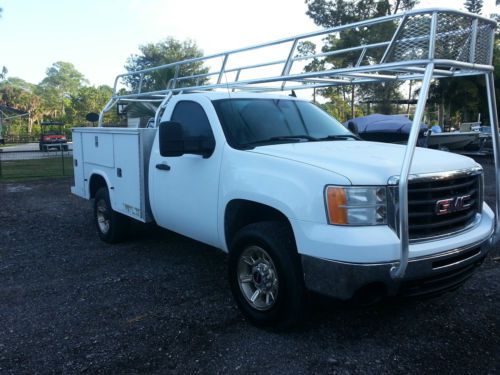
column 78, row 164
column 121, row 157
column 184, row 198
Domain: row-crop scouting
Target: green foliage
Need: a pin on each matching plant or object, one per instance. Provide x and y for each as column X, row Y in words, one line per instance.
column 62, row 95
column 19, row 94
column 165, row 52
column 465, row 95
column 88, row 99
column 474, row 6
column 61, row 83
column 329, row 13
column 63, row 77
column 340, row 108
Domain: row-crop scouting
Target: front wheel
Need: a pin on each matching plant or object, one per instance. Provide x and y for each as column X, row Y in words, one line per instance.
column 111, row 225
column 265, row 275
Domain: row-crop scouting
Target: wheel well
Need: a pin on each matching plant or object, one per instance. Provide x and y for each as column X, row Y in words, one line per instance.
column 96, row 182
column 240, row 213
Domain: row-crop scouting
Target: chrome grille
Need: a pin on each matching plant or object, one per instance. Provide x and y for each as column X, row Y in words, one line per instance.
column 425, row 198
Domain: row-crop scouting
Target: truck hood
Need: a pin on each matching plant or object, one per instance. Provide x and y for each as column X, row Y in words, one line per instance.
column 366, row 163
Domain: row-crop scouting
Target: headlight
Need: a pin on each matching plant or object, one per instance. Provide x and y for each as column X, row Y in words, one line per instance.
column 346, row 205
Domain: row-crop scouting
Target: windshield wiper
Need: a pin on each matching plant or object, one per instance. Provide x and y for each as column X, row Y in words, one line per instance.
column 282, row 138
column 338, row 137
column 298, row 137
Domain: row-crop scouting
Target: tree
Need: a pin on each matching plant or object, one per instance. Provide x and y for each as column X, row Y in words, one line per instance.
column 64, row 77
column 61, row 83
column 167, row 51
column 462, row 95
column 329, row 13
column 87, row 99
column 474, row 6
column 3, row 73
column 19, row 94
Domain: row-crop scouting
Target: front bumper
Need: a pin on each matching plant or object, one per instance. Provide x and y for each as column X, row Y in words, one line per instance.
column 424, row 275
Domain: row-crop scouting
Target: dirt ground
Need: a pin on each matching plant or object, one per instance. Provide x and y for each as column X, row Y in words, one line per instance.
column 160, row 303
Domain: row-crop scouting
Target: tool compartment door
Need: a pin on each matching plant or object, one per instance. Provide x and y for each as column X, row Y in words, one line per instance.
column 98, row 148
column 128, row 175
column 78, row 164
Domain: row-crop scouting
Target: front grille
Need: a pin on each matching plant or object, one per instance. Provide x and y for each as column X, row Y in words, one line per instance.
column 425, row 217
column 438, row 207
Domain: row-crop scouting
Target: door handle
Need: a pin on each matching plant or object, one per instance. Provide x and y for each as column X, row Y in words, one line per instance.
column 163, row 167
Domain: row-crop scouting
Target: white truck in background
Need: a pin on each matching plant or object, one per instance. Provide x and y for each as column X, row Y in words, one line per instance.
column 297, row 201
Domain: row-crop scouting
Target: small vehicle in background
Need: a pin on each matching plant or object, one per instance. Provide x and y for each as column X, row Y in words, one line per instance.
column 52, row 138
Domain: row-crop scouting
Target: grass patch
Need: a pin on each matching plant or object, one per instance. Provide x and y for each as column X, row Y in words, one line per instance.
column 17, row 170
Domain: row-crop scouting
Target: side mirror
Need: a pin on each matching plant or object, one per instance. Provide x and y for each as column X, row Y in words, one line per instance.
column 173, row 142
column 171, row 139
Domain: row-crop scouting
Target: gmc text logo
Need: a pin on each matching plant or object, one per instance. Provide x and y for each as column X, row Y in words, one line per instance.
column 447, row 206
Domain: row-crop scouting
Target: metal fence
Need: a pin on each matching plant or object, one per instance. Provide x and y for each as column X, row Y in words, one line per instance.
column 15, row 165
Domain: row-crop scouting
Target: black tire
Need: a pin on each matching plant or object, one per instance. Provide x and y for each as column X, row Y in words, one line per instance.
column 284, row 308
column 111, row 225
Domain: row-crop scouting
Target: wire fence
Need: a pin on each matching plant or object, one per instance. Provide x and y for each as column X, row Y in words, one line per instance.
column 18, row 165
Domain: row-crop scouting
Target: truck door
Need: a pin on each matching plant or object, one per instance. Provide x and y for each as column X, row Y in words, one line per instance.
column 185, row 194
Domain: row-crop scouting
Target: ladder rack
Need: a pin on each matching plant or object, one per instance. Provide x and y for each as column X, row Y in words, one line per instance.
column 395, row 47
column 416, row 45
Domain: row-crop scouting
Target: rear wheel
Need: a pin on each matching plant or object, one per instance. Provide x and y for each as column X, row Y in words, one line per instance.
column 265, row 274
column 111, row 225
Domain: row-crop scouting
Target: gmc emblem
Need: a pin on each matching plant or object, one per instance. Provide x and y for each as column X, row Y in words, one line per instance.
column 450, row 205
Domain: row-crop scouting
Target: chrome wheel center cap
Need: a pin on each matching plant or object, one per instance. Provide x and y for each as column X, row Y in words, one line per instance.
column 263, row 276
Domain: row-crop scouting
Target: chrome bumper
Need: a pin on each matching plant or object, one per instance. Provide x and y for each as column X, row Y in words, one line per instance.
column 425, row 275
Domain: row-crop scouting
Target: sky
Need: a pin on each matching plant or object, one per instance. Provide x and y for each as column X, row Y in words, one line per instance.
column 98, row 36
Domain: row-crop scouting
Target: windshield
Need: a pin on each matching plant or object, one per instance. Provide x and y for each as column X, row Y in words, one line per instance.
column 252, row 122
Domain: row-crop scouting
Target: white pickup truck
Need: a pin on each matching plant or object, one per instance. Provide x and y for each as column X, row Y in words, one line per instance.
column 296, row 200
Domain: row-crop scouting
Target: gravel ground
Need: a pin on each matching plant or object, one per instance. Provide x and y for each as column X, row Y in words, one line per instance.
column 160, row 303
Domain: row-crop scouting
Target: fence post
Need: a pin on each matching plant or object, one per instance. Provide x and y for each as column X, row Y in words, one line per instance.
column 62, row 159
column 1, row 162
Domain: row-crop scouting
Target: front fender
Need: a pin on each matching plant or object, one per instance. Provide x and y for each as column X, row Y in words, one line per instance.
column 293, row 188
